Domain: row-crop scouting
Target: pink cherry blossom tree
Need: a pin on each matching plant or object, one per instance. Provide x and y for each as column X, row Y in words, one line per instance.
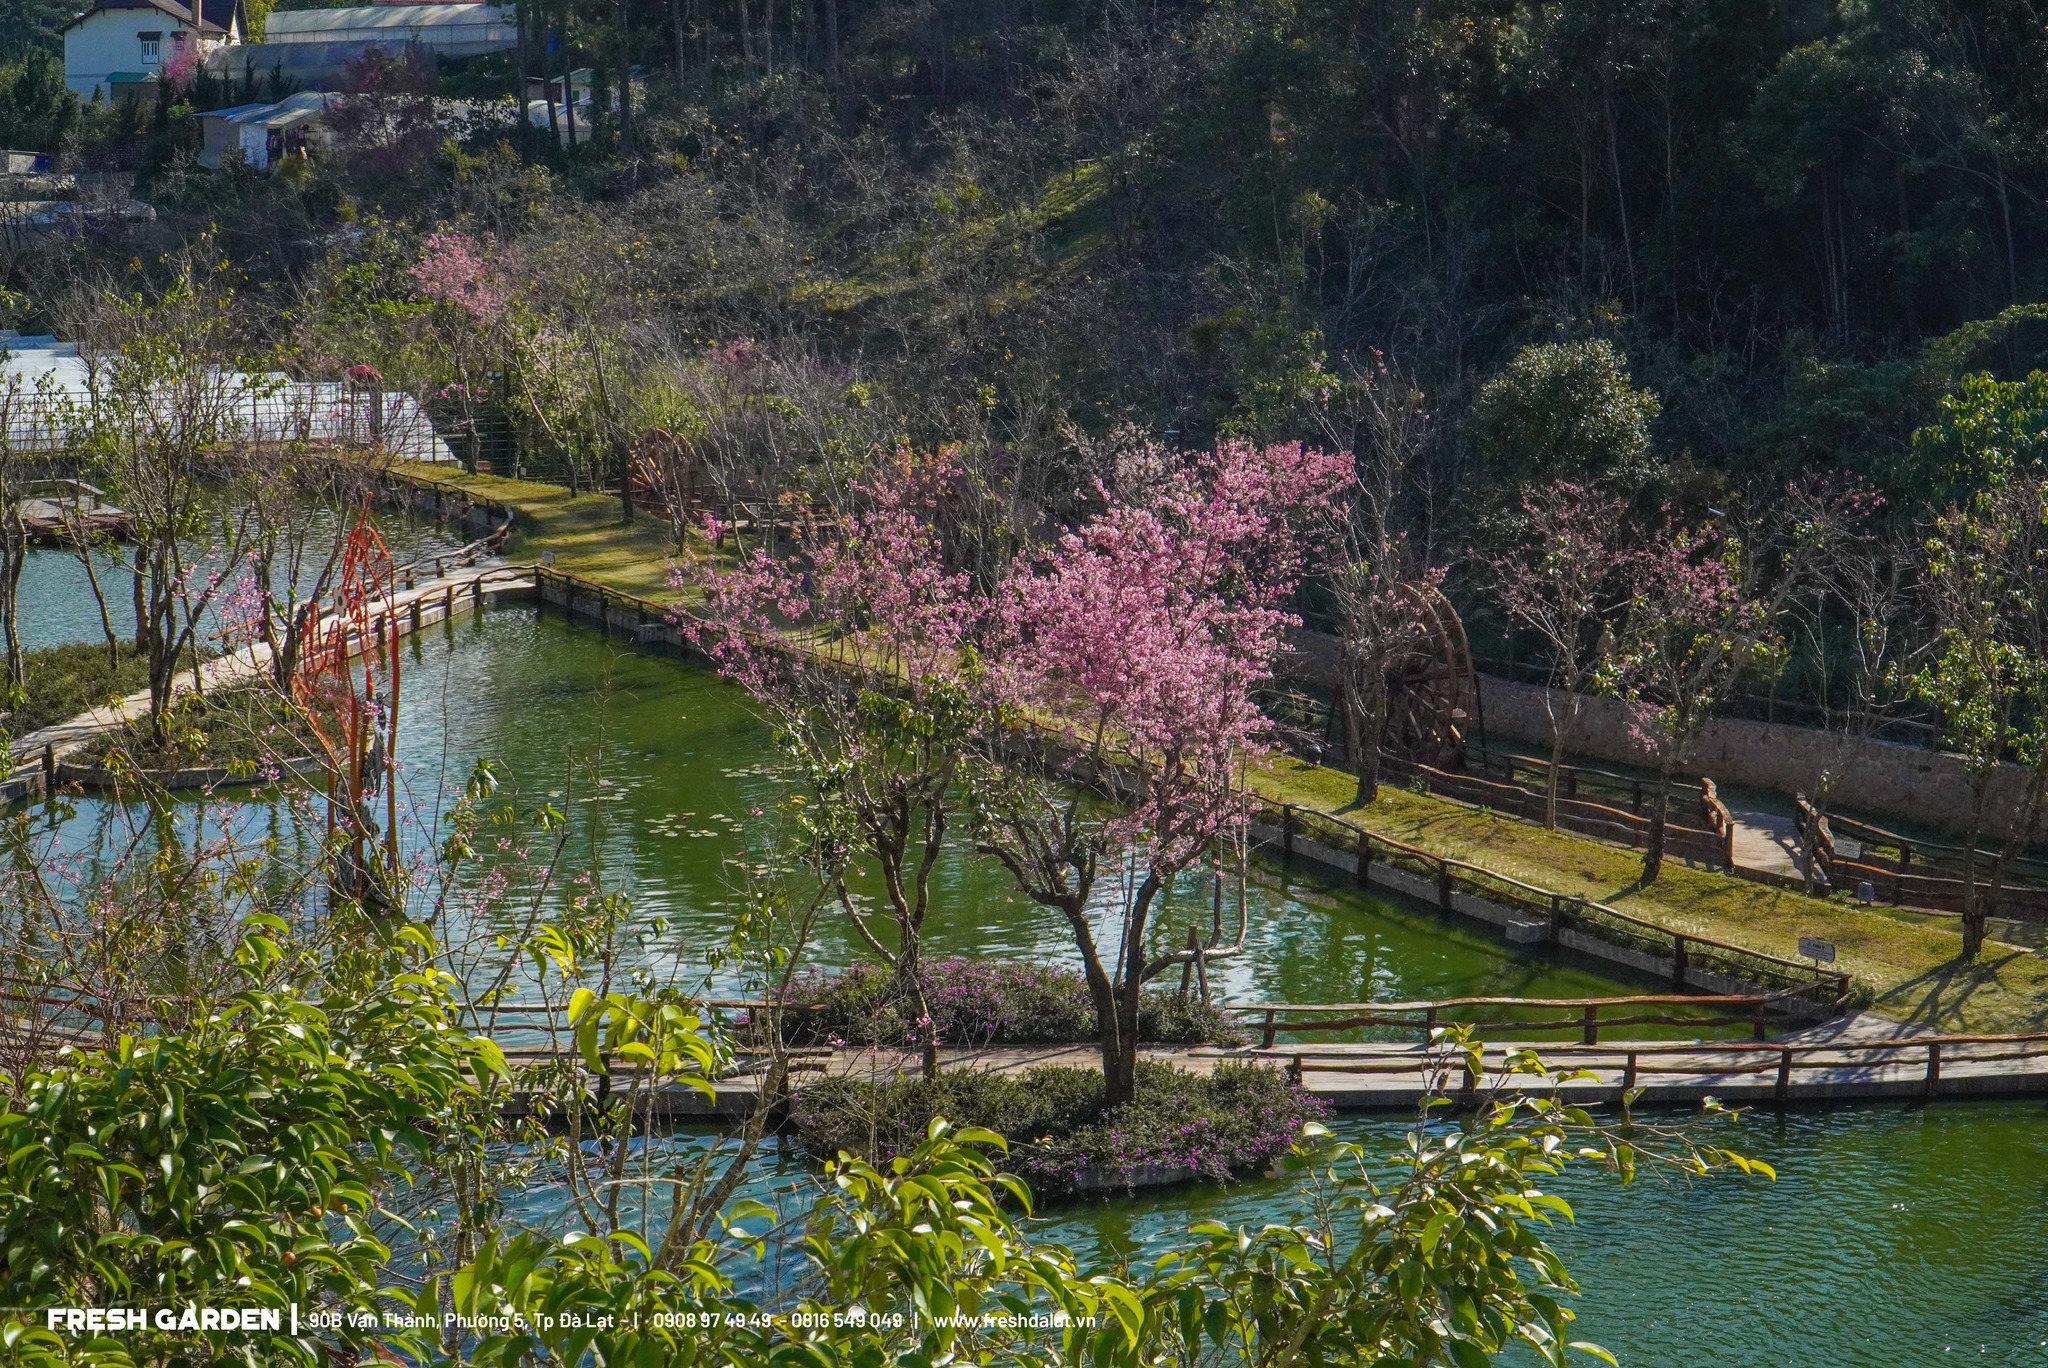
column 859, row 646
column 1140, row 638
column 453, row 270
column 1126, row 659
column 466, row 302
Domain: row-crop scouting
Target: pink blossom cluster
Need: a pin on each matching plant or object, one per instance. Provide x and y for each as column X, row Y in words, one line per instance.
column 243, row 608
column 1147, row 629
column 452, row 270
column 738, row 353
column 1154, row 625
column 884, row 578
column 179, row 67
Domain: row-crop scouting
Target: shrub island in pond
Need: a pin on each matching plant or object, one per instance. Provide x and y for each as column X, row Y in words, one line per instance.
column 983, row 1002
column 1181, row 1125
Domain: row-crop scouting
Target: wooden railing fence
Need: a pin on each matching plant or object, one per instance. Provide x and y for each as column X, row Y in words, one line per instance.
column 1776, row 1060
column 1823, row 989
column 1630, row 827
column 1586, row 1016
column 1446, row 877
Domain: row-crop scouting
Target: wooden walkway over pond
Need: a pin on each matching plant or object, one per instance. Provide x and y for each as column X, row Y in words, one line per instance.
column 1396, row 1077
column 1850, row 1058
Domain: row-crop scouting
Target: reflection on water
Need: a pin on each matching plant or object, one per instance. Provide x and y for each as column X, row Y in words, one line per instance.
column 662, row 767
column 1893, row 1237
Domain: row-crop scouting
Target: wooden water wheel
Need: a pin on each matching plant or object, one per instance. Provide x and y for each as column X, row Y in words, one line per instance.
column 1432, row 691
column 665, row 475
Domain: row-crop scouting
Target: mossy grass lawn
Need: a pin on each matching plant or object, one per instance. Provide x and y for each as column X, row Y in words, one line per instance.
column 238, row 729
column 63, row 681
column 583, row 530
column 1911, row 965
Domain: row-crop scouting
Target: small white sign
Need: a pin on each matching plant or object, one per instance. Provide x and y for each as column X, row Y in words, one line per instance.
column 1819, row 951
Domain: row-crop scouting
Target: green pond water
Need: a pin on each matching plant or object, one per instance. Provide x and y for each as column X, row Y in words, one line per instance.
column 1893, row 1236
column 58, row 608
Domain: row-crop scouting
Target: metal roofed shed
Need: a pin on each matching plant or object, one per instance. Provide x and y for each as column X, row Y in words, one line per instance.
column 306, row 65
column 264, row 133
column 442, row 30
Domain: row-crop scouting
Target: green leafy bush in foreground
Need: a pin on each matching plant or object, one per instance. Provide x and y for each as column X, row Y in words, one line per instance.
column 238, row 1161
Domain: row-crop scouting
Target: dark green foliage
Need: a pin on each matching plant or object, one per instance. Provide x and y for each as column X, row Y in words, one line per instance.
column 1180, row 1124
column 1024, row 219
column 32, row 26
column 985, row 1002
column 63, row 681
column 1988, row 432
column 1564, row 410
column 38, row 112
column 240, row 1159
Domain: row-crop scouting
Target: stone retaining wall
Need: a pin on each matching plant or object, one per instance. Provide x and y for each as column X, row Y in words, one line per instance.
column 1875, row 778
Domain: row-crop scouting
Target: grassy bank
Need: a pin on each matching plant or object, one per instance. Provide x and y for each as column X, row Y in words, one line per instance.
column 583, row 530
column 63, row 681
column 1910, row 965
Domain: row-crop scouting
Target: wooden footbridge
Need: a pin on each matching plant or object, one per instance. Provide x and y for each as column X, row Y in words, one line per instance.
column 72, row 513
column 433, row 590
column 1850, row 1058
column 1855, row 1057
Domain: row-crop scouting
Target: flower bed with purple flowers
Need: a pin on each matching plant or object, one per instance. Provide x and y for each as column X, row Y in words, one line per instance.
column 1180, row 1127
column 983, row 1002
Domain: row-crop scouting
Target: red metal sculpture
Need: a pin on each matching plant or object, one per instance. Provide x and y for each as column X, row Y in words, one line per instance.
column 347, row 684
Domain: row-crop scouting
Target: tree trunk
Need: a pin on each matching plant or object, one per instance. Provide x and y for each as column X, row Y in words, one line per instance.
column 1973, row 903
column 1365, row 723
column 139, row 603
column 1550, row 782
column 1368, row 778
column 625, row 458
column 568, row 86
column 1108, row 1023
column 1653, row 846
column 625, row 56
column 1121, row 1081
column 15, row 555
